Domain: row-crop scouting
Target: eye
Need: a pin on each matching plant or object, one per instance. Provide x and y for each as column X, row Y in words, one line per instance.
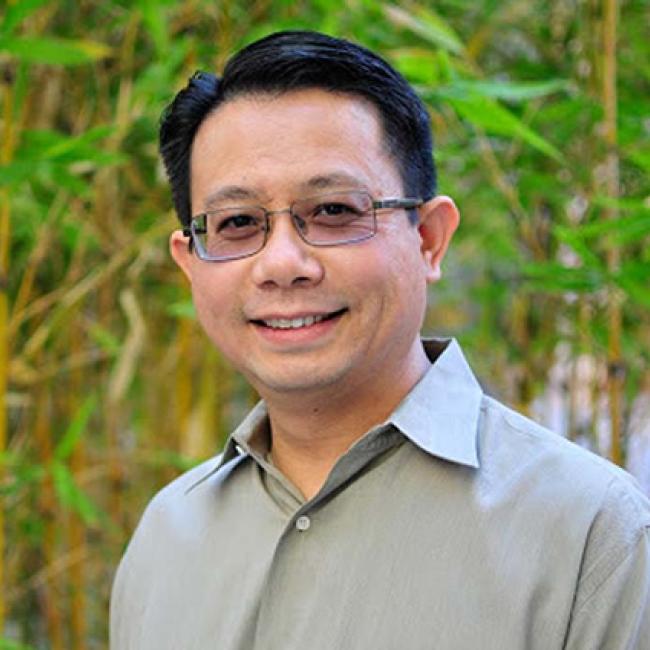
column 235, row 222
column 335, row 212
column 235, row 225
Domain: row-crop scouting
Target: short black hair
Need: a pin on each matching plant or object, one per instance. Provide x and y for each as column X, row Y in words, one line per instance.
column 296, row 60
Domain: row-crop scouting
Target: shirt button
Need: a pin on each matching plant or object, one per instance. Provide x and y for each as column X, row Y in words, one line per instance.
column 303, row 523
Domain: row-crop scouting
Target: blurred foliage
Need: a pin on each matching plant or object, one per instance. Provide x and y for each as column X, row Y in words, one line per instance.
column 111, row 387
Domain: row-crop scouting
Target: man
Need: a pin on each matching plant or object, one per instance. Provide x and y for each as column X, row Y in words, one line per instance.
column 376, row 498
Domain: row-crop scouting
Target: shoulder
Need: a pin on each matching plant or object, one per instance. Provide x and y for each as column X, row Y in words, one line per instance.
column 523, row 458
column 178, row 507
column 507, row 437
column 187, row 500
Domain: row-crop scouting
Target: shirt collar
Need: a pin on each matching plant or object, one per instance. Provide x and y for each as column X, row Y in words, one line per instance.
column 254, row 427
column 440, row 414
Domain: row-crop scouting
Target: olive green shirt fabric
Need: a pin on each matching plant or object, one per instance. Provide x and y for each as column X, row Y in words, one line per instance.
column 456, row 524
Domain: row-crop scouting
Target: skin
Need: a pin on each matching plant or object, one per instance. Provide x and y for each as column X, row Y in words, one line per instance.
column 325, row 385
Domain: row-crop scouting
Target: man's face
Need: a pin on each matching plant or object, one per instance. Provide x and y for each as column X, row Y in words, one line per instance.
column 363, row 302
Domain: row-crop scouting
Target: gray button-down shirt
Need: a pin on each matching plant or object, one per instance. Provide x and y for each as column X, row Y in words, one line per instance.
column 455, row 525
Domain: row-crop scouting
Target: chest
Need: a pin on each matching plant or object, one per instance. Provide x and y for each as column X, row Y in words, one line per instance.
column 379, row 565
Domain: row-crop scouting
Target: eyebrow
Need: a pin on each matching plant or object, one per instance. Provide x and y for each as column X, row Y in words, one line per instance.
column 333, row 180
column 231, row 193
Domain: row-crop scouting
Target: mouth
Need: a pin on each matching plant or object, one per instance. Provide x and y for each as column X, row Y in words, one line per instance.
column 297, row 322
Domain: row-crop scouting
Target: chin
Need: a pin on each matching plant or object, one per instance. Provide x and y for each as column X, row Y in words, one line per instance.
column 302, row 381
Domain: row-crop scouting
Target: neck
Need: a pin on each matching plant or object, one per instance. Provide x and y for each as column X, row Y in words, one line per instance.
column 306, row 443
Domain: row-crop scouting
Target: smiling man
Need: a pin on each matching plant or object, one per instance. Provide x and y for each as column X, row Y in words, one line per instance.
column 375, row 498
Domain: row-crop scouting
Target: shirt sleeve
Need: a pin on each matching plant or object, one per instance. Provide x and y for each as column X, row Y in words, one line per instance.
column 612, row 604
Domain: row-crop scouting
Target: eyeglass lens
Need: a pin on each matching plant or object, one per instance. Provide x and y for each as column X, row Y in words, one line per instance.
column 324, row 220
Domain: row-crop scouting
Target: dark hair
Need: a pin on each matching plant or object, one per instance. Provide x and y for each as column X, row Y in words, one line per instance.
column 295, row 60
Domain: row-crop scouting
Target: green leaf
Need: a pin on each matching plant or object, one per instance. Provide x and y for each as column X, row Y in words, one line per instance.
column 622, row 230
column 182, row 309
column 155, row 19
column 42, row 144
column 426, row 24
column 16, row 172
column 573, row 238
column 16, row 11
column 70, row 496
column 54, row 51
column 106, row 340
column 8, row 644
column 555, row 277
column 514, row 92
column 495, row 119
column 64, row 144
column 162, row 458
column 75, row 430
column 633, row 279
column 640, row 158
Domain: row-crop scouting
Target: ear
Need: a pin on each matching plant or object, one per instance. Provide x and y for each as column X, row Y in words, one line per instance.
column 438, row 220
column 179, row 247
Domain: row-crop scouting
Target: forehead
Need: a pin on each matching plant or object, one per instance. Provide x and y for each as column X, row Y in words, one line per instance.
column 273, row 144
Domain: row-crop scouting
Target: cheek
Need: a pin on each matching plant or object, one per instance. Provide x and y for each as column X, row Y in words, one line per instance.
column 213, row 307
column 398, row 271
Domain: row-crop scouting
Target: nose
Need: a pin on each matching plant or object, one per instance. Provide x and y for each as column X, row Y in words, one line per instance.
column 286, row 261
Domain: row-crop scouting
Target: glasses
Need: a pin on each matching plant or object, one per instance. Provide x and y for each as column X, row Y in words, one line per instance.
column 333, row 219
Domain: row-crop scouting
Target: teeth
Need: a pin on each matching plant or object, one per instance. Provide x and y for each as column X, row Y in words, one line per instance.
column 293, row 323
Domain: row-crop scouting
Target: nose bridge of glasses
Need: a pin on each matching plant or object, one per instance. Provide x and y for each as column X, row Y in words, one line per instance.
column 297, row 219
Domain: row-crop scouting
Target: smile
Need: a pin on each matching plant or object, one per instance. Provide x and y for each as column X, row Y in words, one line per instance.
column 297, row 323
column 294, row 323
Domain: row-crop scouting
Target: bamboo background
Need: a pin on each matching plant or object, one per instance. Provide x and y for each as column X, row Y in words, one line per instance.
column 108, row 388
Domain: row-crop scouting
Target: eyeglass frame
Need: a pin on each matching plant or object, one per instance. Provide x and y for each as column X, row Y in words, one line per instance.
column 406, row 203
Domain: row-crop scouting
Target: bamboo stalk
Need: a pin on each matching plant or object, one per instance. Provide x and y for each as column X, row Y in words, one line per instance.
column 48, row 510
column 6, row 154
column 616, row 368
column 76, row 532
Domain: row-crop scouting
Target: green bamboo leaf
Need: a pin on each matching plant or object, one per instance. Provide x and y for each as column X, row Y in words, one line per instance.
column 495, row 119
column 54, row 51
column 8, row 644
column 65, row 143
column 182, row 309
column 16, row 172
column 555, row 277
column 573, row 238
column 106, row 340
column 16, row 11
column 164, row 458
column 76, row 429
column 623, row 204
column 155, row 19
column 514, row 92
column 71, row 497
column 633, row 279
column 622, row 230
column 640, row 158
column 52, row 157
column 59, row 176
column 426, row 24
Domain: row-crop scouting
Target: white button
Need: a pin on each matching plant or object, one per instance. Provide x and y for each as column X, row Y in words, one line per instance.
column 303, row 522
